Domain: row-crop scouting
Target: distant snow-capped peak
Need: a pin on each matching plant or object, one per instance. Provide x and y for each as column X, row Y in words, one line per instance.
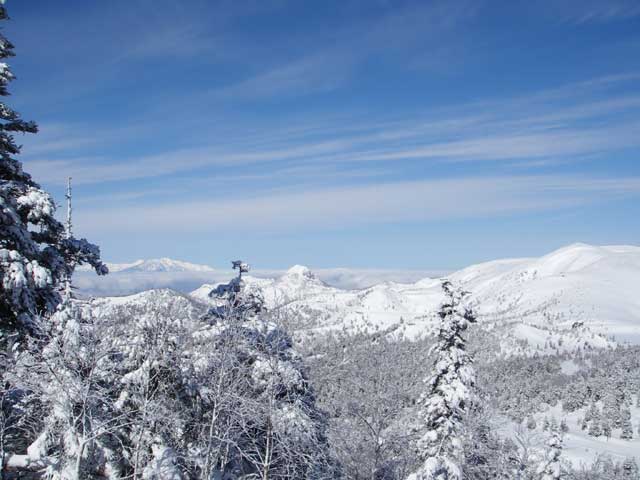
column 299, row 271
column 155, row 265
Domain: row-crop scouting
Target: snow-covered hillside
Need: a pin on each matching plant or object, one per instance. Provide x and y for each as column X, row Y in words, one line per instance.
column 597, row 286
column 568, row 296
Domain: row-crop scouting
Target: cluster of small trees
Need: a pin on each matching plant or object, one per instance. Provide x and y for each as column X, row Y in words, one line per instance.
column 615, row 414
column 606, row 380
column 145, row 392
column 368, row 380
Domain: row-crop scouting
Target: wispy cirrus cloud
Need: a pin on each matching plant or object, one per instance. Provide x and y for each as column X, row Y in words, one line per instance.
column 597, row 11
column 334, row 59
column 379, row 204
column 543, row 129
column 315, row 74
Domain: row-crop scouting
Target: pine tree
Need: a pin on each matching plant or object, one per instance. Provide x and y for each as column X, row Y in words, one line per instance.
column 551, row 468
column 627, row 427
column 450, row 393
column 590, row 413
column 583, row 423
column 606, row 427
column 630, row 469
column 595, row 427
column 281, row 432
column 610, row 410
column 564, row 427
column 35, row 254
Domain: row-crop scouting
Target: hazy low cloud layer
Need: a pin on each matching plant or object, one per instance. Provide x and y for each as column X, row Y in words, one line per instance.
column 127, row 283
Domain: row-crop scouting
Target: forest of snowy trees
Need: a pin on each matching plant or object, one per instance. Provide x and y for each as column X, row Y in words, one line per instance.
column 172, row 389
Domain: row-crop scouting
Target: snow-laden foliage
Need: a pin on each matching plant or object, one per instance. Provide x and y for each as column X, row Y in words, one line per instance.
column 368, row 379
column 282, row 433
column 35, row 253
column 78, row 382
column 449, row 393
column 551, row 468
column 159, row 387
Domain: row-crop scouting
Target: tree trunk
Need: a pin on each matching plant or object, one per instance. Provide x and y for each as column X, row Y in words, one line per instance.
column 78, row 468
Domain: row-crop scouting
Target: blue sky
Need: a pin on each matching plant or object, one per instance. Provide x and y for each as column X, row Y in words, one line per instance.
column 382, row 134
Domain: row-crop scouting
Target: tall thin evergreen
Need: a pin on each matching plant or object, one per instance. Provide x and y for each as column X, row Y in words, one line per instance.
column 449, row 395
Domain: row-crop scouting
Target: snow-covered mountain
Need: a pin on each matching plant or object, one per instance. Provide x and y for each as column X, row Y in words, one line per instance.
column 571, row 296
column 157, row 265
column 129, row 278
column 141, row 275
column 599, row 286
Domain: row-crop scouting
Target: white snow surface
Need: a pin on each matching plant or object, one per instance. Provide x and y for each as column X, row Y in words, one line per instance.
column 541, row 300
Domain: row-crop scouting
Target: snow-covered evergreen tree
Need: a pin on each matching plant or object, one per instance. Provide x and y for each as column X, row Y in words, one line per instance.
column 630, row 470
column 279, row 431
column 564, row 427
column 606, row 427
column 595, row 424
column 610, row 412
column 35, row 253
column 551, row 468
column 449, row 393
column 627, row 426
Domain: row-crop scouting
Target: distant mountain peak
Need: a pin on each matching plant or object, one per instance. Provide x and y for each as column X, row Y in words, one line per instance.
column 158, row 265
column 300, row 271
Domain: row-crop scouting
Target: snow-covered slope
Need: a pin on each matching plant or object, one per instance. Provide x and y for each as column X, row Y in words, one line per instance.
column 569, row 297
column 163, row 302
column 599, row 286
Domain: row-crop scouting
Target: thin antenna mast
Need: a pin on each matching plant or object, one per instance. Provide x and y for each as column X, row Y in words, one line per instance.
column 68, row 231
column 69, row 209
